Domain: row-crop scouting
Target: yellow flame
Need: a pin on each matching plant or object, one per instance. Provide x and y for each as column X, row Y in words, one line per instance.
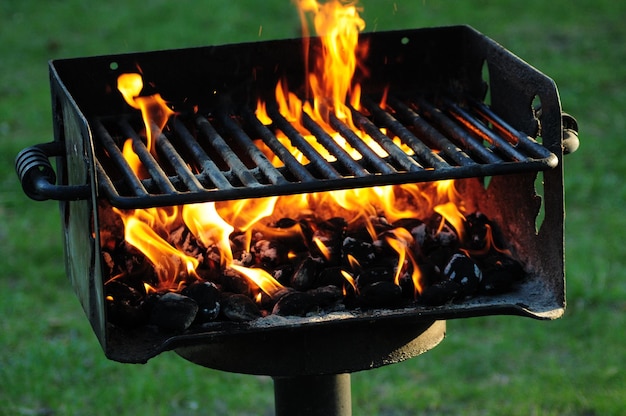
column 261, row 278
column 154, row 109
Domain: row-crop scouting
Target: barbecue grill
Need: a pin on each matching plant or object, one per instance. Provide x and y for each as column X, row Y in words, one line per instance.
column 469, row 109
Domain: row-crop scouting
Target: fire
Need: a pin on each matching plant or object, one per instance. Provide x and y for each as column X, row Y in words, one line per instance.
column 330, row 95
column 146, row 230
column 155, row 113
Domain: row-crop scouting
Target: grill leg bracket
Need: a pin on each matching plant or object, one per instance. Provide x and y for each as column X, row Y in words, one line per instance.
column 313, row 395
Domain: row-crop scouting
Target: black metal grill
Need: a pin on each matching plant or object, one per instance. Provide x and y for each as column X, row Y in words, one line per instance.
column 439, row 80
column 216, row 157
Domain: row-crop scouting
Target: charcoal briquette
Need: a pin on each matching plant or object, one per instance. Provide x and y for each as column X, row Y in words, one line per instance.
column 362, row 251
column 206, row 295
column 294, row 304
column 465, row 272
column 380, row 294
column 305, row 276
column 440, row 293
column 374, row 275
column 476, row 230
column 326, row 295
column 173, row 312
column 500, row 274
column 269, row 253
column 125, row 305
column 330, row 276
column 239, row 308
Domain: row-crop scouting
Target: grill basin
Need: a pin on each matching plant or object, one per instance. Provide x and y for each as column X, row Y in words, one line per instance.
column 451, row 72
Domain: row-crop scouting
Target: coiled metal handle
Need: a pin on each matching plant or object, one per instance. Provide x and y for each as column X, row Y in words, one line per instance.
column 38, row 178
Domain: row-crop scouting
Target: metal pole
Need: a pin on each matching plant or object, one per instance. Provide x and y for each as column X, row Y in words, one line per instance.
column 327, row 395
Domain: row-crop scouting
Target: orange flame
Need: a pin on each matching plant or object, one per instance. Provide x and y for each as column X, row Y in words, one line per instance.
column 141, row 230
column 330, row 87
column 261, row 278
column 154, row 111
column 401, row 243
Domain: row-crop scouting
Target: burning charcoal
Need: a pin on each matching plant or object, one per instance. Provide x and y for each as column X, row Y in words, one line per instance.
column 430, row 273
column 327, row 240
column 441, row 292
column 238, row 244
column 283, row 273
column 125, row 306
column 173, row 312
column 326, row 295
column 183, row 240
column 362, row 251
column 438, row 235
column 500, row 273
column 380, row 294
column 270, row 253
column 440, row 256
column 294, row 304
column 293, row 234
column 206, row 295
column 305, row 275
column 374, row 275
column 239, row 308
column 446, row 236
column 330, row 276
column 476, row 230
column 234, row 282
column 465, row 272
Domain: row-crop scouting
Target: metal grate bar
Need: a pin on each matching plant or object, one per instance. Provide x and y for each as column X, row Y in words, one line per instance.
column 423, row 152
column 397, row 154
column 178, row 163
column 292, row 164
column 240, row 137
column 331, row 145
column 522, row 140
column 118, row 159
column 476, row 127
column 323, row 166
column 209, row 169
column 229, row 156
column 429, row 133
column 359, row 145
column 148, row 161
column 457, row 133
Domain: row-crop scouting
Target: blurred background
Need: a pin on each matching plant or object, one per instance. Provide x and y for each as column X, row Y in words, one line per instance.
column 52, row 364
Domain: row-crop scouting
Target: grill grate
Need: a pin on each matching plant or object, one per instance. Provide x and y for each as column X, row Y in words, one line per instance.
column 217, row 157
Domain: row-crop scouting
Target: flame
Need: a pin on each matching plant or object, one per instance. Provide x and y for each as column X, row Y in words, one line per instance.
column 350, row 280
column 261, row 278
column 329, row 79
column 450, row 212
column 338, row 25
column 207, row 226
column 141, row 230
column 154, row 110
column 330, row 92
column 401, row 242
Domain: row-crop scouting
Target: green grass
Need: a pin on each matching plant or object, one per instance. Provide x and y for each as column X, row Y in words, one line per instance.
column 52, row 364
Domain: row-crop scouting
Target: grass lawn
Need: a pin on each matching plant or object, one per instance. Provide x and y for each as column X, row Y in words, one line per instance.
column 52, row 364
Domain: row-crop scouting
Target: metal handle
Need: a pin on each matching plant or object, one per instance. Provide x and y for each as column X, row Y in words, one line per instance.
column 570, row 134
column 38, row 178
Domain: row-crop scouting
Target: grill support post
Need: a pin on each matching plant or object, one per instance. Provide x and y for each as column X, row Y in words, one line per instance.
column 325, row 395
